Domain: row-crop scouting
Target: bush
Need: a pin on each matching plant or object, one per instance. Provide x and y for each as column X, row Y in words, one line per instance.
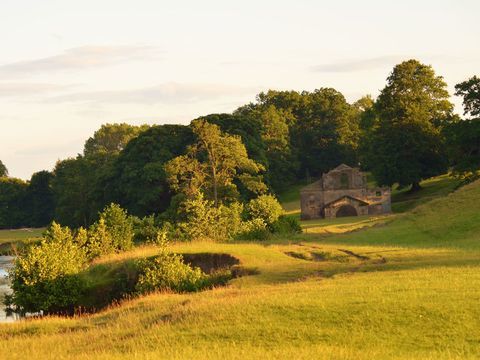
column 145, row 229
column 45, row 278
column 255, row 229
column 205, row 221
column 167, row 271
column 265, row 207
column 286, row 225
column 119, row 225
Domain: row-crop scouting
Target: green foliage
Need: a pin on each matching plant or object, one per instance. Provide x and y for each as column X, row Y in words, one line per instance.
column 464, row 145
column 110, row 139
column 45, row 278
column 212, row 164
column 265, row 207
column 286, row 225
column 254, row 230
column 3, row 169
column 203, row 220
column 137, row 179
column 405, row 144
column 119, row 226
column 145, row 229
column 168, row 272
column 13, row 210
column 470, row 91
column 40, row 199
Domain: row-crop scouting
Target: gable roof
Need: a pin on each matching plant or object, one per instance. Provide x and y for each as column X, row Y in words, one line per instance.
column 341, row 167
column 346, row 196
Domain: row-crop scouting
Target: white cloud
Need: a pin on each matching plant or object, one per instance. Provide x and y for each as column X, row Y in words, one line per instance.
column 168, row 93
column 10, row 90
column 79, row 58
column 359, row 65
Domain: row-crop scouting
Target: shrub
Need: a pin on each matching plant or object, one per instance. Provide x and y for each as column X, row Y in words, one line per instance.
column 265, row 207
column 167, row 271
column 255, row 229
column 145, row 229
column 205, row 221
column 286, row 225
column 119, row 225
column 99, row 241
column 45, row 278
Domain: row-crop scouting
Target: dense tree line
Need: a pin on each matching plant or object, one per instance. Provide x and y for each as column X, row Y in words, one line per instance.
column 407, row 134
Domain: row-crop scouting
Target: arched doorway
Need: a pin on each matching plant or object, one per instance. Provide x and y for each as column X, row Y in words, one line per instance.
column 346, row 210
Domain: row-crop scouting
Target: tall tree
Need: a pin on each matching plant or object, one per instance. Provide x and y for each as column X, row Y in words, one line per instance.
column 212, row 164
column 464, row 136
column 3, row 169
column 40, row 200
column 406, row 145
column 13, row 209
column 110, row 139
column 470, row 91
column 137, row 180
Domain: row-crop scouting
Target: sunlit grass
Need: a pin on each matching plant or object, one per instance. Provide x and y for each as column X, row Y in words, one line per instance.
column 405, row 286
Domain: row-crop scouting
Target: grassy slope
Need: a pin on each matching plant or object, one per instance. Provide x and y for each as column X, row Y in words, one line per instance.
column 406, row 288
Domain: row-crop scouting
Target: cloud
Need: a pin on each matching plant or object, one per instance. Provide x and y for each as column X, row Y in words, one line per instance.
column 359, row 65
column 10, row 90
column 168, row 93
column 79, row 58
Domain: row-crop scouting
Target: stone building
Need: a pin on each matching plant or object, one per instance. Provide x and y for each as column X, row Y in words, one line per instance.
column 342, row 192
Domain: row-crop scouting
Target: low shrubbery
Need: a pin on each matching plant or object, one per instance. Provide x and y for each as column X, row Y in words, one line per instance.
column 45, row 278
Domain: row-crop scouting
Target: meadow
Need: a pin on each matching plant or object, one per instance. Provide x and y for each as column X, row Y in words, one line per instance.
column 404, row 286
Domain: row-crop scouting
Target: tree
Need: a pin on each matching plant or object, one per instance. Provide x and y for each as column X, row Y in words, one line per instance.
column 470, row 91
column 110, row 139
column 40, row 199
column 405, row 145
column 137, row 179
column 212, row 164
column 45, row 277
column 464, row 136
column 13, row 209
column 3, row 170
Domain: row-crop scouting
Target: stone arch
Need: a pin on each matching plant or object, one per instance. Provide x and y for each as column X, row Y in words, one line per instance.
column 346, row 210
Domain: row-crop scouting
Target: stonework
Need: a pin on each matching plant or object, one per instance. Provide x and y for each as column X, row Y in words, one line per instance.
column 342, row 192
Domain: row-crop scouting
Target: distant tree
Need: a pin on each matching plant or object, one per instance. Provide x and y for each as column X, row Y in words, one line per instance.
column 137, row 179
column 211, row 165
column 40, row 199
column 323, row 127
column 13, row 209
column 405, row 145
column 470, row 91
column 110, row 139
column 72, row 186
column 3, row 169
column 464, row 136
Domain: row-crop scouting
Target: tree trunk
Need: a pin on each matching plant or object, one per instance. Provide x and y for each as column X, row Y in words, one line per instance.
column 215, row 195
column 415, row 187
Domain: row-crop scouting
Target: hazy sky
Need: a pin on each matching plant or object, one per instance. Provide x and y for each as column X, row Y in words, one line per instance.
column 68, row 66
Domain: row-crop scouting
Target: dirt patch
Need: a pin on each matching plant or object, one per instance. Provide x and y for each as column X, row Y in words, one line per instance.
column 211, row 262
column 351, row 253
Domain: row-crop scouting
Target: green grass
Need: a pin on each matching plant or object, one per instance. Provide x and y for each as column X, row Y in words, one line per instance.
column 405, row 286
column 10, row 239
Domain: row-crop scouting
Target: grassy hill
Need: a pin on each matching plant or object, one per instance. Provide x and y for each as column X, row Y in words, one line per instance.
column 402, row 286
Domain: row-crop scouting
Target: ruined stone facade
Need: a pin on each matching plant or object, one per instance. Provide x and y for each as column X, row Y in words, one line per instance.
column 342, row 192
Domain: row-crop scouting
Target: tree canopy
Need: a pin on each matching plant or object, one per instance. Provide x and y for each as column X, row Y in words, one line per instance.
column 3, row 169
column 405, row 144
column 212, row 164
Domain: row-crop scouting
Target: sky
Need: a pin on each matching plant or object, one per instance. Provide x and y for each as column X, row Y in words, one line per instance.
column 69, row 66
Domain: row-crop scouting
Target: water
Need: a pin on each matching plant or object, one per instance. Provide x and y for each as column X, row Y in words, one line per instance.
column 6, row 262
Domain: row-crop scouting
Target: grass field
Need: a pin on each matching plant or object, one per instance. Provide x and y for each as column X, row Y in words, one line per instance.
column 9, row 239
column 405, row 286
